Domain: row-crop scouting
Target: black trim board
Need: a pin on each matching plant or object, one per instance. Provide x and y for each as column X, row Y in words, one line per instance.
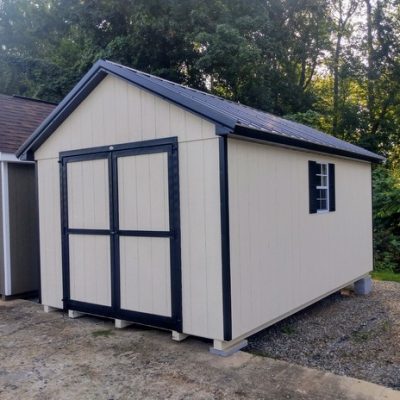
column 225, row 240
column 136, row 317
column 119, row 147
column 111, row 154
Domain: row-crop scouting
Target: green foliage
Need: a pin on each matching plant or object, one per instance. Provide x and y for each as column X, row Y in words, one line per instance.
column 386, row 275
column 333, row 65
column 103, row 333
column 386, row 206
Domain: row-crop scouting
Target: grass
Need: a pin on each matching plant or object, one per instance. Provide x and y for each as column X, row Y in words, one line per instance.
column 288, row 330
column 105, row 332
column 386, row 276
column 360, row 337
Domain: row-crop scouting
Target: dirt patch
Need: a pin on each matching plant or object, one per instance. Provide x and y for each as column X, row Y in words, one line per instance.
column 351, row 335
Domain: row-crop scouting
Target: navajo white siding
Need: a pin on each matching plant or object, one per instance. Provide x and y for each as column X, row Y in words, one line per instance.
column 88, row 197
column 146, row 283
column 282, row 257
column 50, row 232
column 117, row 112
column 89, row 264
column 145, row 261
column 143, row 192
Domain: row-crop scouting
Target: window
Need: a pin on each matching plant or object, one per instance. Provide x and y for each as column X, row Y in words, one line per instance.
column 321, row 187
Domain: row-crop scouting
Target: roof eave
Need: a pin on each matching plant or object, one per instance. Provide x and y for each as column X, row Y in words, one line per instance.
column 268, row 137
column 89, row 82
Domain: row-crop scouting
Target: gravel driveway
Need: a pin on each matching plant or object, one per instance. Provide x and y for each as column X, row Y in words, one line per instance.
column 345, row 334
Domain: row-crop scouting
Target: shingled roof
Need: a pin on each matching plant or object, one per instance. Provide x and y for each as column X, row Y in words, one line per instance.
column 19, row 117
column 231, row 119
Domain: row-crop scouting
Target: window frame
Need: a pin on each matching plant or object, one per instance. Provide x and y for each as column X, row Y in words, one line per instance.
column 321, row 183
column 325, row 187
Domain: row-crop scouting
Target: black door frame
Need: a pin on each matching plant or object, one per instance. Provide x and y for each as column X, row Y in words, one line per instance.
column 112, row 153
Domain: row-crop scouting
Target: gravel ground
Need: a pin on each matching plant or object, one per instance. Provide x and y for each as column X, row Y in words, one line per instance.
column 345, row 334
column 49, row 356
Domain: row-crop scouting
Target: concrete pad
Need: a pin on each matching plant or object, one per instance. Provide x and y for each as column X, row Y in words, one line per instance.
column 46, row 356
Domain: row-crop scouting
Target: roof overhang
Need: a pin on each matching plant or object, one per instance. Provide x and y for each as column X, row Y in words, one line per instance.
column 10, row 157
column 255, row 135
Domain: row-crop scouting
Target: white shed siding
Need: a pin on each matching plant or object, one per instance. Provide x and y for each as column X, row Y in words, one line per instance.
column 88, row 196
column 89, row 265
column 146, row 205
column 282, row 257
column 50, row 232
column 145, row 284
column 117, row 112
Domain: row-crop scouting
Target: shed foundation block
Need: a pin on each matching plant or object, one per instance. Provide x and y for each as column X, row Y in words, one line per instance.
column 75, row 314
column 226, row 349
column 363, row 286
column 178, row 336
column 121, row 324
column 48, row 309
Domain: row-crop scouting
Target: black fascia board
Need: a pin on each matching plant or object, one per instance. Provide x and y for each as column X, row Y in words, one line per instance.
column 264, row 136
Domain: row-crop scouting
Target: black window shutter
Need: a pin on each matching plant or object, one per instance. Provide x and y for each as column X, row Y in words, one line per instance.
column 312, row 186
column 332, row 197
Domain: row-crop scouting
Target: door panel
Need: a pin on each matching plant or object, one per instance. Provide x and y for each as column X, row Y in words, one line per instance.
column 88, row 194
column 145, row 275
column 143, row 192
column 89, row 267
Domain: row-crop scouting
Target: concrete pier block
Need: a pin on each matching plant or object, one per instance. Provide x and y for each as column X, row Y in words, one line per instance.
column 121, row 324
column 75, row 314
column 226, row 349
column 178, row 336
column 363, row 286
column 48, row 309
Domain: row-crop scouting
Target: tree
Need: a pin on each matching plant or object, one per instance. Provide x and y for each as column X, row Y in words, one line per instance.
column 342, row 12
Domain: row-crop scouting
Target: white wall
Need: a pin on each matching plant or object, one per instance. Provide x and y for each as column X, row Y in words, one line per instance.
column 282, row 257
column 117, row 112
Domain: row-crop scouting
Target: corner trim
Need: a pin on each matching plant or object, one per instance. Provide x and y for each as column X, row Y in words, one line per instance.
column 6, row 228
column 225, row 241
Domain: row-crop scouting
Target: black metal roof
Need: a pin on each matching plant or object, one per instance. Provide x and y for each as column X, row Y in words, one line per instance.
column 232, row 119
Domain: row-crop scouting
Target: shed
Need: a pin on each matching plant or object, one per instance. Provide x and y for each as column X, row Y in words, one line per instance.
column 19, row 244
column 185, row 211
